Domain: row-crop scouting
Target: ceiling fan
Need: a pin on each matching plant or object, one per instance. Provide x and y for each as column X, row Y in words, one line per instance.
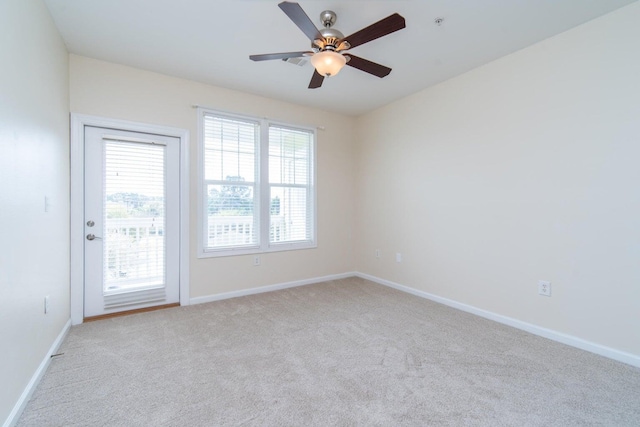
column 328, row 44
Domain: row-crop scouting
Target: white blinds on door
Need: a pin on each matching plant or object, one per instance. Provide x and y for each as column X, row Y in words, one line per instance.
column 134, row 222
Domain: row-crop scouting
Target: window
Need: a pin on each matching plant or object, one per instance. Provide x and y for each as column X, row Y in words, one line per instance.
column 257, row 185
column 230, row 177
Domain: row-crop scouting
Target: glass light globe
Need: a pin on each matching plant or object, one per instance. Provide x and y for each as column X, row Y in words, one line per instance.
column 328, row 63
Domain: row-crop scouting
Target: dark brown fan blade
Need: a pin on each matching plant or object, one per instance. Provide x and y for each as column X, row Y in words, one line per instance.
column 316, row 80
column 284, row 55
column 297, row 15
column 381, row 28
column 368, row 66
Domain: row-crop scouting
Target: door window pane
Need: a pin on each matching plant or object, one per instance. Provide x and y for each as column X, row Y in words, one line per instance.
column 134, row 216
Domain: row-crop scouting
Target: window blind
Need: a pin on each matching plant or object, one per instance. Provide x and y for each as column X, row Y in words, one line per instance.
column 230, row 179
column 134, row 222
column 290, row 185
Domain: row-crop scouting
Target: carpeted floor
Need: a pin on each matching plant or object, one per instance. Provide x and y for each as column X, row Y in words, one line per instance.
column 346, row 352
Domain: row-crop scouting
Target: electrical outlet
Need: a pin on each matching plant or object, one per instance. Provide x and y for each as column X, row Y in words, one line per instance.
column 398, row 257
column 544, row 288
column 377, row 253
column 256, row 261
column 46, row 304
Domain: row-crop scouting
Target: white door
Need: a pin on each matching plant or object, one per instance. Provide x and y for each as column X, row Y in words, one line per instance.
column 131, row 220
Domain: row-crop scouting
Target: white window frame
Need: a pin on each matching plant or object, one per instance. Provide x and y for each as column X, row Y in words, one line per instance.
column 262, row 189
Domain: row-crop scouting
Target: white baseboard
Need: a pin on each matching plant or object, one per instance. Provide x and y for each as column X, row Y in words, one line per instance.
column 620, row 356
column 269, row 288
column 35, row 379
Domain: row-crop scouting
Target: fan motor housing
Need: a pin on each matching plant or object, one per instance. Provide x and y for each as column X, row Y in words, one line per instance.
column 331, row 40
column 330, row 35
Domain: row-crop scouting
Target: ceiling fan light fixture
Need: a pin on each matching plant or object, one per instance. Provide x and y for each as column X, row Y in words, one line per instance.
column 328, row 63
column 328, row 44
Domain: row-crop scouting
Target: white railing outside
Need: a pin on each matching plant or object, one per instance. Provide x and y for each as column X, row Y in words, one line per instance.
column 239, row 230
column 134, row 252
column 134, row 248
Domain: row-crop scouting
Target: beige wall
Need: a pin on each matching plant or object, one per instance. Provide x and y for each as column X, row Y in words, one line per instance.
column 524, row 169
column 115, row 91
column 34, row 164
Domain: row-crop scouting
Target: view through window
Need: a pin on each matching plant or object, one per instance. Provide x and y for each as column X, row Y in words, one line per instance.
column 258, row 189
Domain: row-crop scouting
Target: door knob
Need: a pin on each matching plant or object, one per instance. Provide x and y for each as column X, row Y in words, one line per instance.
column 93, row 237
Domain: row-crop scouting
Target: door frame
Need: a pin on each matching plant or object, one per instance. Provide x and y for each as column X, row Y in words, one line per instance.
column 78, row 123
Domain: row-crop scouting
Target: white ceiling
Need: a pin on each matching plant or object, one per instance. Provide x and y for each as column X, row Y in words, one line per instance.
column 210, row 41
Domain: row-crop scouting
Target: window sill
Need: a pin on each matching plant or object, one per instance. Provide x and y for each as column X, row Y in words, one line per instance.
column 281, row 247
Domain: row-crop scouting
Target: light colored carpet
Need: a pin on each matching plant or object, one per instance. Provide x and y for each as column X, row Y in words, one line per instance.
column 346, row 352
